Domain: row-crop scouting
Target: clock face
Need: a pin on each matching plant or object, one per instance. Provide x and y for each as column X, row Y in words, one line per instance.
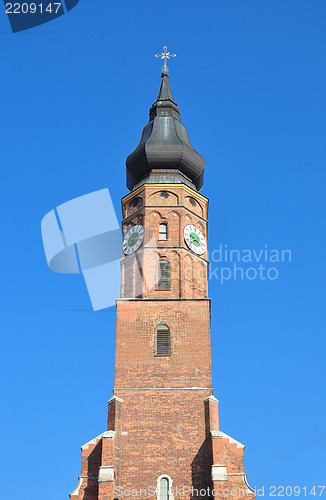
column 133, row 239
column 194, row 239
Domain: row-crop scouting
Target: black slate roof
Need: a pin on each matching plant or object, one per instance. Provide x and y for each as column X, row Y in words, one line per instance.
column 164, row 143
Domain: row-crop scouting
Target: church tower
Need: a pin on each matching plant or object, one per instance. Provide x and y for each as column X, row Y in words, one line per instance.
column 163, row 439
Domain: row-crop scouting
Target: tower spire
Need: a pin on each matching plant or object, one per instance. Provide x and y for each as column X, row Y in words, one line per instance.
column 164, row 153
column 164, row 94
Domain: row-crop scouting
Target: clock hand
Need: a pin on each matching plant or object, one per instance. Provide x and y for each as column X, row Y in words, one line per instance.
column 192, row 239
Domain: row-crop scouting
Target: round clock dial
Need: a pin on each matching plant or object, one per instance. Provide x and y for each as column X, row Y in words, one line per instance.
column 133, row 239
column 194, row 239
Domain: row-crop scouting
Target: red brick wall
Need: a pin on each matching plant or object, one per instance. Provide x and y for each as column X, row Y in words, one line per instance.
column 189, row 364
column 163, row 432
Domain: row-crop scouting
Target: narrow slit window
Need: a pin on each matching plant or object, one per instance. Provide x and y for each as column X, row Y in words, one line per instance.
column 163, row 232
column 164, row 488
column 163, row 341
column 164, row 275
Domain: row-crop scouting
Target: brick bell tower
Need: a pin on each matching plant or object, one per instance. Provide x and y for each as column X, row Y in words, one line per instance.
column 163, row 439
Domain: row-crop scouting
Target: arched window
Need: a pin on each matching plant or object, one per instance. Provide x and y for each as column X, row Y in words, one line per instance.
column 163, row 232
column 136, row 202
column 163, row 341
column 164, row 488
column 163, row 275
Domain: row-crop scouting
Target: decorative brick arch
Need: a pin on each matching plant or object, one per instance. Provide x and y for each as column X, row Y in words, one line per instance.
column 173, row 213
column 173, row 257
column 155, row 198
column 135, row 204
column 155, row 213
column 187, row 276
column 197, row 208
column 200, row 226
column 188, row 219
column 200, row 280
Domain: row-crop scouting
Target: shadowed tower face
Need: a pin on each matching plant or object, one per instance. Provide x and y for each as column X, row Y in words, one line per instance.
column 163, row 436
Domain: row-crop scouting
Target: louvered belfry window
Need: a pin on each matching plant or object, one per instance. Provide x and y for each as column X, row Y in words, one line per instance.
column 163, row 275
column 163, row 342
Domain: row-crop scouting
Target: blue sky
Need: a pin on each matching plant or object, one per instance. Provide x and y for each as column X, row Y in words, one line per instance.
column 250, row 79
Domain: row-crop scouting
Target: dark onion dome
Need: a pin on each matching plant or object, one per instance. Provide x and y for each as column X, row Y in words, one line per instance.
column 164, row 145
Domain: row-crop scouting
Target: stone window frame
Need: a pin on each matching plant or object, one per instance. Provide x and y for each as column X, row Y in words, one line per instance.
column 165, row 476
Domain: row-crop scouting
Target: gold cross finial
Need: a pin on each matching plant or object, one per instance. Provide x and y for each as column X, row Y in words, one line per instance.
column 165, row 55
